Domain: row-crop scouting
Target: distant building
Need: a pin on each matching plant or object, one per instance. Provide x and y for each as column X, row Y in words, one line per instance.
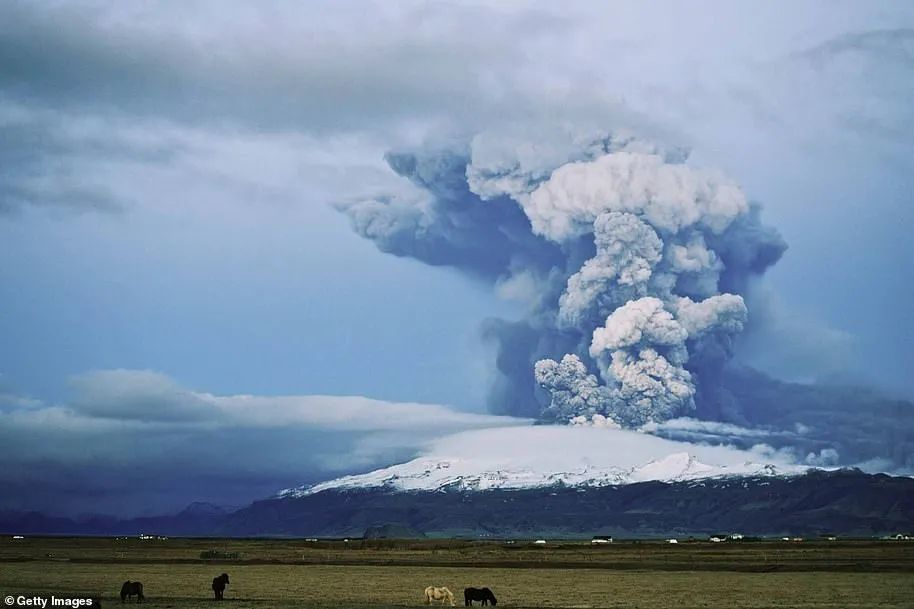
column 601, row 539
column 719, row 537
column 672, row 541
column 18, row 537
column 540, row 541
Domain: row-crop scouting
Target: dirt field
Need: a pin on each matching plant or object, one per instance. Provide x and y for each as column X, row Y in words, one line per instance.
column 277, row 573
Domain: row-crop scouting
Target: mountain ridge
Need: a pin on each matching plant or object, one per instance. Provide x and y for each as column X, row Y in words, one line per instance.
column 844, row 502
column 434, row 473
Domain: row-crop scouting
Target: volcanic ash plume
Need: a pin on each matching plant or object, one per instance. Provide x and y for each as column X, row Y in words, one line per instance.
column 631, row 261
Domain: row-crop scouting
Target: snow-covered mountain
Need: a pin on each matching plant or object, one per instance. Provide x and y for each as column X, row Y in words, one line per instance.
column 541, row 456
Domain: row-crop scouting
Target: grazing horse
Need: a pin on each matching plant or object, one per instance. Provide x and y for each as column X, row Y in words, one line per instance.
column 479, row 594
column 438, row 594
column 219, row 584
column 132, row 589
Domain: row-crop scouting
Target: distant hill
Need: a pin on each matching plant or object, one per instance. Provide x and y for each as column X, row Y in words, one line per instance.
column 845, row 502
column 391, row 531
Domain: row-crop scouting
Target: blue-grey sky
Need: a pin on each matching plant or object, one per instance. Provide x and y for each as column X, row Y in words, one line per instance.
column 168, row 174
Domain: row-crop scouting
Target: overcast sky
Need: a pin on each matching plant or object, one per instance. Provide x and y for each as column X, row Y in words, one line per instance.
column 168, row 241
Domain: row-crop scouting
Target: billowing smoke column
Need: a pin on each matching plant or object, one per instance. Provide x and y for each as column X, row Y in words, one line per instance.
column 632, row 262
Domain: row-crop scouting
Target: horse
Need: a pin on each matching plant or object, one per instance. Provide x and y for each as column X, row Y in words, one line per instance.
column 478, row 594
column 219, row 584
column 438, row 594
column 132, row 589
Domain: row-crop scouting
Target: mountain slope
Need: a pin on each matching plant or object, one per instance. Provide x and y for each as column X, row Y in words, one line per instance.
column 540, row 456
column 847, row 502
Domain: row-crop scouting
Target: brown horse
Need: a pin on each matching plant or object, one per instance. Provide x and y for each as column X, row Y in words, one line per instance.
column 132, row 589
column 479, row 594
column 219, row 584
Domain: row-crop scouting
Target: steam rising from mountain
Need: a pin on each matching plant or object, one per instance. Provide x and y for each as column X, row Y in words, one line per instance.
column 632, row 262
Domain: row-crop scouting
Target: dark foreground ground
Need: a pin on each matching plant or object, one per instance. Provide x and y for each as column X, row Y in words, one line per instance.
column 576, row 575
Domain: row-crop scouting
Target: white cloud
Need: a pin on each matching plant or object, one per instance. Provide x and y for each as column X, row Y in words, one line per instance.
column 142, row 395
column 688, row 425
column 124, row 421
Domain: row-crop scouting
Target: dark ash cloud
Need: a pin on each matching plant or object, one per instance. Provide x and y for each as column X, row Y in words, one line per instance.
column 626, row 254
column 637, row 286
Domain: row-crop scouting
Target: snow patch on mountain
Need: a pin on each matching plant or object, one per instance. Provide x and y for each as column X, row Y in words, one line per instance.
column 542, row 456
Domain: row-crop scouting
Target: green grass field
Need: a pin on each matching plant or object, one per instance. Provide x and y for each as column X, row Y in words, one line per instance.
column 294, row 573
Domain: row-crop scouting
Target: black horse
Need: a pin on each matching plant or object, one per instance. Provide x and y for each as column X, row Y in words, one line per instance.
column 219, row 584
column 478, row 594
column 132, row 589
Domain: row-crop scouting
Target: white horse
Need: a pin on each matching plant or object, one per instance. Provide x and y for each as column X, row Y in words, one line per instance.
column 438, row 594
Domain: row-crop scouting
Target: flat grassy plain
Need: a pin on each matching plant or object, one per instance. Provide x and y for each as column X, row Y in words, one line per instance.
column 573, row 575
